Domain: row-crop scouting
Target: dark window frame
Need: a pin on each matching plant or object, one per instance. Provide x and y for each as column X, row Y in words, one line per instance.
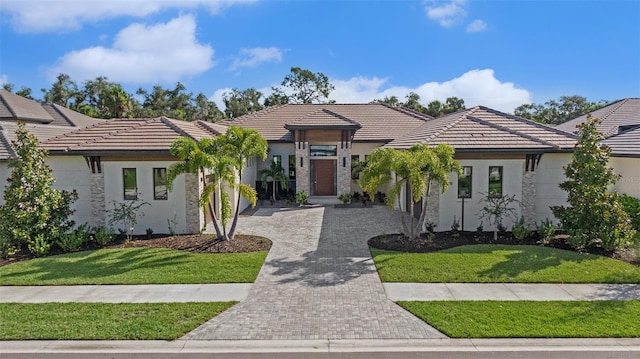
column 155, row 184
column 134, row 196
column 496, row 183
column 468, row 193
column 323, row 150
column 277, row 159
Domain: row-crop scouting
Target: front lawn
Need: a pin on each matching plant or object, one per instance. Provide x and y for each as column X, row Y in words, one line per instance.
column 135, row 266
column 104, row 321
column 524, row 319
column 502, row 264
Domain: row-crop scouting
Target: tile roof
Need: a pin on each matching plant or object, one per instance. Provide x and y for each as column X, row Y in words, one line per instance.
column 622, row 113
column 625, row 144
column 130, row 135
column 378, row 122
column 42, row 132
column 14, row 107
column 322, row 118
column 483, row 129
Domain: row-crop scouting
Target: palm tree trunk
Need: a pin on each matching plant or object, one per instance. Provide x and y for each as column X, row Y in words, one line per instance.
column 232, row 231
column 216, row 226
column 425, row 201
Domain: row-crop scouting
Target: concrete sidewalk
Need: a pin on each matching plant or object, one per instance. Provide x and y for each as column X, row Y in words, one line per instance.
column 510, row 291
column 156, row 293
column 167, row 293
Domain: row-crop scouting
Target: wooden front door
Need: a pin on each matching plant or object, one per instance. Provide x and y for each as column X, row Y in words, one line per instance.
column 323, row 177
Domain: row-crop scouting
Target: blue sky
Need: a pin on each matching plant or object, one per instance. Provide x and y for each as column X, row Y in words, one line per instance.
column 496, row 53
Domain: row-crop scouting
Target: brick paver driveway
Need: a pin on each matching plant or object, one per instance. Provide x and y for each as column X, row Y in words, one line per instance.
column 318, row 281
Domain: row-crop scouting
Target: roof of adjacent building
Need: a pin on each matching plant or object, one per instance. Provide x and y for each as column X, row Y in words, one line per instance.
column 625, row 144
column 130, row 135
column 483, row 129
column 378, row 122
column 14, row 107
column 42, row 132
column 623, row 113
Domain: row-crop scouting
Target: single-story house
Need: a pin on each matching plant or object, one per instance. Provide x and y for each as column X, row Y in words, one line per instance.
column 126, row 159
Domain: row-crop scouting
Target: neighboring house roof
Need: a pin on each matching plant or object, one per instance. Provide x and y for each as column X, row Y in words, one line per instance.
column 625, row 144
column 378, row 122
column 14, row 107
column 622, row 113
column 130, row 136
column 483, row 129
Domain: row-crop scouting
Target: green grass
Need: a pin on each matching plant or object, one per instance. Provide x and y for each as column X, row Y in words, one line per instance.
column 502, row 264
column 135, row 266
column 100, row 321
column 487, row 319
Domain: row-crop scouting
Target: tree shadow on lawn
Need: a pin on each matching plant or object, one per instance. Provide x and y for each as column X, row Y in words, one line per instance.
column 522, row 259
column 93, row 266
column 320, row 271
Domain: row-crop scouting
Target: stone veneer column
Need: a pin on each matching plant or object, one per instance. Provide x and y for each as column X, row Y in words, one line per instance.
column 528, row 202
column 98, row 204
column 193, row 212
column 344, row 172
column 433, row 205
column 302, row 173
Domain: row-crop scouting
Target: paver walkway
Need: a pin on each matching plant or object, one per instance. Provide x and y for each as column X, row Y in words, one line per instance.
column 318, row 281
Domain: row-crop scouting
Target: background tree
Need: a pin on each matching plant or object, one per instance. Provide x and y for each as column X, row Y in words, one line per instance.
column 554, row 112
column 35, row 215
column 419, row 168
column 239, row 103
column 165, row 102
column 413, row 102
column 64, row 92
column 306, row 86
column 595, row 215
column 206, row 110
column 277, row 97
column 388, row 100
column 24, row 91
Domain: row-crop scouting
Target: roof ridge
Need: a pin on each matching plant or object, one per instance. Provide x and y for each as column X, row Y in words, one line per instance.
column 530, row 122
column 169, row 122
column 448, row 125
column 106, row 135
column 407, row 111
column 614, row 107
column 342, row 117
column 6, row 104
column 54, row 107
column 204, row 125
column 512, row 131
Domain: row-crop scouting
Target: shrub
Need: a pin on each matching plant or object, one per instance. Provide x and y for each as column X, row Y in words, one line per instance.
column 302, row 197
column 74, row 240
column 497, row 208
column 520, row 230
column 345, row 198
column 35, row 215
column 631, row 206
column 455, row 225
column 127, row 214
column 546, row 231
column 102, row 236
column 172, row 224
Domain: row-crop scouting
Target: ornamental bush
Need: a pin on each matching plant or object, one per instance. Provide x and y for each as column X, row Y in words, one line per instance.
column 594, row 215
column 35, row 215
column 631, row 205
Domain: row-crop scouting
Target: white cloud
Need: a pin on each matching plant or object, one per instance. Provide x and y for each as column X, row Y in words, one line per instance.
column 476, row 87
column 164, row 52
column 4, row 79
column 446, row 14
column 70, row 15
column 477, row 26
column 255, row 56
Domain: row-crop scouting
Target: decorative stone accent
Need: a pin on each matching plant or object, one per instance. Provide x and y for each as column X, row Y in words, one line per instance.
column 528, row 202
column 433, row 205
column 193, row 212
column 98, row 205
column 344, row 169
column 302, row 172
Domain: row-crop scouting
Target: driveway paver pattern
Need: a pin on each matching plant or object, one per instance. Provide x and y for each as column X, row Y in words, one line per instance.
column 318, row 281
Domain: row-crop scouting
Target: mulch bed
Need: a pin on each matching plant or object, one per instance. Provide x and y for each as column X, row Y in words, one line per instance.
column 202, row 243
column 445, row 240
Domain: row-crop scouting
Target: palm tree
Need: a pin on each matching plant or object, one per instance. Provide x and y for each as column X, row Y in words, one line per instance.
column 239, row 144
column 203, row 158
column 418, row 168
column 275, row 172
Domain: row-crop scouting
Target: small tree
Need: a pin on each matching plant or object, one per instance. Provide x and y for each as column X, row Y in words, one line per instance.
column 496, row 208
column 35, row 215
column 275, row 174
column 594, row 214
column 126, row 213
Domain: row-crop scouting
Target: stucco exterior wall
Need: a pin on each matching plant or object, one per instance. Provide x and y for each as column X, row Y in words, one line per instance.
column 249, row 177
column 159, row 211
column 4, row 175
column 629, row 170
column 451, row 205
column 362, row 149
column 549, row 175
column 72, row 173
